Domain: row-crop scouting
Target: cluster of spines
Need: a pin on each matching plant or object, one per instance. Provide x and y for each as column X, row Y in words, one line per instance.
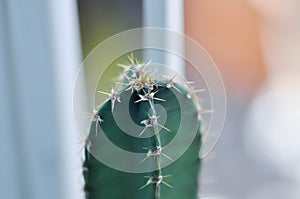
column 140, row 80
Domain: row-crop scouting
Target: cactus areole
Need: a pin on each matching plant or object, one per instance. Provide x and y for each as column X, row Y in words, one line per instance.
column 178, row 180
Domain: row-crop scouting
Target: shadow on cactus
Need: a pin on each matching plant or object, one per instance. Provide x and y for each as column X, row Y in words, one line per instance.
column 142, row 95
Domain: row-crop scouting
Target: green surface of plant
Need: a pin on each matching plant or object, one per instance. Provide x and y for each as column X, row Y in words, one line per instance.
column 178, row 180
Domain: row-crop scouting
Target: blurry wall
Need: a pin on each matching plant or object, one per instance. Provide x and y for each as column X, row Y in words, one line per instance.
column 100, row 19
column 255, row 45
column 229, row 31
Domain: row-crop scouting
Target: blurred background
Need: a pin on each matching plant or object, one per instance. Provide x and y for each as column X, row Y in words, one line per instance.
column 255, row 44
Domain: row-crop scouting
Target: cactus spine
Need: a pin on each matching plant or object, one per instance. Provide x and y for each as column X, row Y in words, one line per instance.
column 176, row 181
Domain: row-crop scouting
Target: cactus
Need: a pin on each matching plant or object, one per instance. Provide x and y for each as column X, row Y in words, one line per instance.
column 176, row 181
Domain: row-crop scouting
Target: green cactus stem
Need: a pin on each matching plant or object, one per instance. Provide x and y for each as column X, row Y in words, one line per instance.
column 179, row 180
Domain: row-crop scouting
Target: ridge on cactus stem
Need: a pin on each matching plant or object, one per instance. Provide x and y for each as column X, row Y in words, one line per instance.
column 146, row 94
